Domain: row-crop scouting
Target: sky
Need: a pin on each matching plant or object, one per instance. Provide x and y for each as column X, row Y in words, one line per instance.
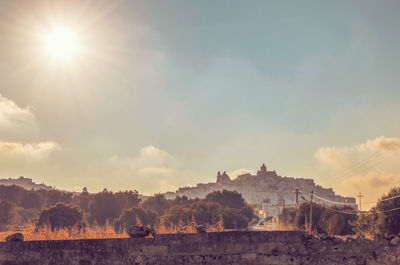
column 162, row 94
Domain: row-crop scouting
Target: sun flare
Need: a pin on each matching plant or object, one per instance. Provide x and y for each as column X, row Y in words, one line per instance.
column 61, row 43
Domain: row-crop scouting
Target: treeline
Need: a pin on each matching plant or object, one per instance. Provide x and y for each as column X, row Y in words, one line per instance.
column 381, row 220
column 325, row 220
column 19, row 207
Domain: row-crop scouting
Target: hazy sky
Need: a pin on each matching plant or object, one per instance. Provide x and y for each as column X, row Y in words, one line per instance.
column 162, row 94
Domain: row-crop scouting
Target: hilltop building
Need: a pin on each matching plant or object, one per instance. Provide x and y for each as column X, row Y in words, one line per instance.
column 26, row 183
column 267, row 190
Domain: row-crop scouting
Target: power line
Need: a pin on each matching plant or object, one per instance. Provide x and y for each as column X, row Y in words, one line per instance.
column 344, row 203
column 390, row 198
column 339, row 211
column 362, row 163
column 390, row 210
column 381, row 200
column 335, row 210
column 371, row 202
column 347, row 212
column 351, row 168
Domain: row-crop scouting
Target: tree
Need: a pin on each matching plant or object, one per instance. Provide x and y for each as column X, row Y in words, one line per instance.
column 302, row 219
column 32, row 199
column 231, row 200
column 82, row 200
column 367, row 223
column 5, row 213
column 331, row 223
column 157, row 203
column 325, row 219
column 287, row 216
column 203, row 212
column 12, row 193
column 182, row 200
column 226, row 198
column 390, row 220
column 233, row 218
column 127, row 199
column 61, row 215
column 104, row 206
column 135, row 216
column 54, row 196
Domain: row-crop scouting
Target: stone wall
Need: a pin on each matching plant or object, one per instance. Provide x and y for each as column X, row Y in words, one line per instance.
column 230, row 248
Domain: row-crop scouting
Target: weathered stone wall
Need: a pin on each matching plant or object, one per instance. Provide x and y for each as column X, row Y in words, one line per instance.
column 230, row 248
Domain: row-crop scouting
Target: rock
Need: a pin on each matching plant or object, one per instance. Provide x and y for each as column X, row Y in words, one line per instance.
column 326, row 237
column 395, row 241
column 201, row 229
column 337, row 240
column 17, row 237
column 138, row 231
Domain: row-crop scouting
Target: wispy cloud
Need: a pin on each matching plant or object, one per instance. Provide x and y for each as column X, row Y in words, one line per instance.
column 235, row 173
column 30, row 151
column 152, row 170
column 380, row 143
column 371, row 167
column 13, row 116
column 333, row 156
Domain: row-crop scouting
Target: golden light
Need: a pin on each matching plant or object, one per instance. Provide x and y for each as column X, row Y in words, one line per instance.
column 61, row 43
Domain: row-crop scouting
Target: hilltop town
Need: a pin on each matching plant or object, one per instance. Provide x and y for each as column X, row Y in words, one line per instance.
column 26, row 183
column 267, row 190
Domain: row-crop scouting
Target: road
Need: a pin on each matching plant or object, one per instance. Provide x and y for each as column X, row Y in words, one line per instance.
column 268, row 226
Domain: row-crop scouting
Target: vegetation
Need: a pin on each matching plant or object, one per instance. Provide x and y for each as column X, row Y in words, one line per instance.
column 60, row 211
column 65, row 211
column 61, row 215
column 325, row 220
column 202, row 212
column 135, row 216
column 384, row 219
column 389, row 221
column 367, row 223
column 5, row 213
column 106, row 205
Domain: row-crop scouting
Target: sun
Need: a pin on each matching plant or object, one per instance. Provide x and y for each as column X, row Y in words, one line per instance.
column 61, row 43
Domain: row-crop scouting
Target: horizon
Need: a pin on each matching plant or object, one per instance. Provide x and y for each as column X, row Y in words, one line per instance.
column 232, row 176
column 156, row 96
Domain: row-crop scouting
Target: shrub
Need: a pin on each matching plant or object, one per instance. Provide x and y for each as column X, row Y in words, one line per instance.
column 134, row 216
column 5, row 213
column 202, row 212
column 61, row 215
column 233, row 218
column 390, row 221
column 367, row 223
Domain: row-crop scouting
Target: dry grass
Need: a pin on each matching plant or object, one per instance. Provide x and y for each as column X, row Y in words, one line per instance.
column 99, row 232
column 45, row 233
column 286, row 227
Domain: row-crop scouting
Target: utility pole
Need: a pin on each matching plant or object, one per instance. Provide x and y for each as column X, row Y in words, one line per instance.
column 297, row 191
column 359, row 200
column 312, row 195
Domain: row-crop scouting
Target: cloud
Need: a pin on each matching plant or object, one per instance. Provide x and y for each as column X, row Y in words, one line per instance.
column 332, row 156
column 149, row 157
column 380, row 143
column 373, row 179
column 153, row 170
column 163, row 171
column 341, row 156
column 30, row 151
column 12, row 116
column 235, row 173
column 371, row 167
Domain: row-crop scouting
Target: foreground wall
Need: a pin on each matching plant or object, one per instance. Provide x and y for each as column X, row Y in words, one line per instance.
column 236, row 248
